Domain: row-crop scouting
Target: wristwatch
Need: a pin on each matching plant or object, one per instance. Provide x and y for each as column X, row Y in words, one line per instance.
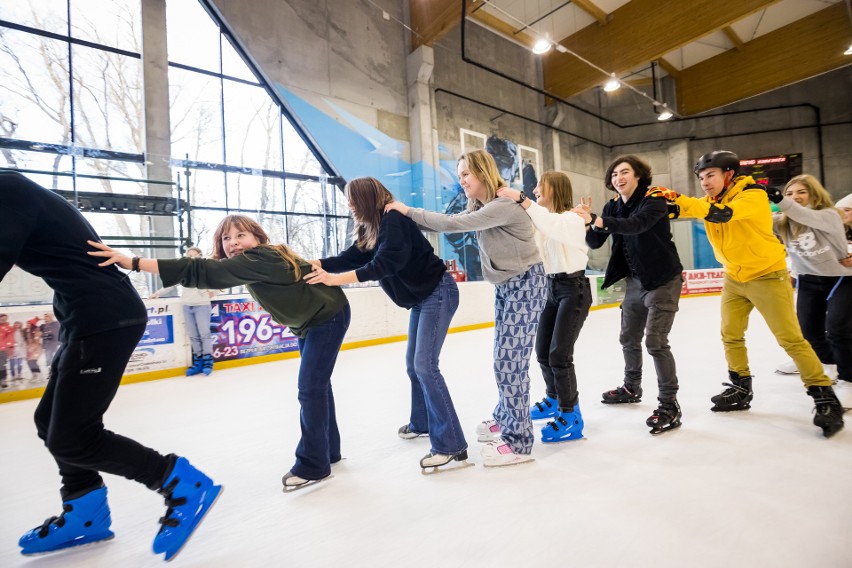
column 523, row 197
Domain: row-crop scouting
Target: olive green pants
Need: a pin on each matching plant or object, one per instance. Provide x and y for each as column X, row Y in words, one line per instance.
column 772, row 295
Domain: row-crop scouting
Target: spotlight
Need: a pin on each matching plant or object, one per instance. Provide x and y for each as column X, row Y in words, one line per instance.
column 665, row 113
column 541, row 46
column 848, row 50
column 612, row 85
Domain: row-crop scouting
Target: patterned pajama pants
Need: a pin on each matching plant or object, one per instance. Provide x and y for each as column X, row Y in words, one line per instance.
column 517, row 306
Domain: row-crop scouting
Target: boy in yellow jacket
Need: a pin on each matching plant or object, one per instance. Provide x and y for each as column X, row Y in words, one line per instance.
column 738, row 220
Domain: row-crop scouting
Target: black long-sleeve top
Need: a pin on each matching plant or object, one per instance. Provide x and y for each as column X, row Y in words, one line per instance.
column 641, row 240
column 269, row 279
column 46, row 236
column 403, row 261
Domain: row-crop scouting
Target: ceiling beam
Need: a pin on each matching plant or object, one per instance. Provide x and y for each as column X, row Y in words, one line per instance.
column 668, row 67
column 593, row 10
column 798, row 51
column 636, row 33
column 505, row 29
column 735, row 39
column 432, row 19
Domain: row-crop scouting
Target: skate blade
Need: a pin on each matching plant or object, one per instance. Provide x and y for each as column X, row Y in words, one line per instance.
column 446, row 467
column 658, row 431
column 508, row 464
column 310, row 483
column 580, row 439
column 69, row 547
column 737, row 409
column 198, row 524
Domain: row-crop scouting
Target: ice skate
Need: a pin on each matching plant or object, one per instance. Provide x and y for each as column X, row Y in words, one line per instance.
column 487, row 431
column 435, row 463
column 737, row 396
column 567, row 427
column 498, row 454
column 622, row 395
column 195, row 368
column 293, row 482
column 189, row 496
column 207, row 364
column 787, row 368
column 85, row 519
column 666, row 417
column 548, row 407
column 828, row 413
column 406, row 433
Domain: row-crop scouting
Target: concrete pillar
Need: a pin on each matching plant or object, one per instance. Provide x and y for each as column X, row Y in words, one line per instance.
column 155, row 78
column 425, row 187
column 680, row 168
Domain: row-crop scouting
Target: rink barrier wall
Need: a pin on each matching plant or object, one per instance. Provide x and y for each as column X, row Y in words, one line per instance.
column 375, row 321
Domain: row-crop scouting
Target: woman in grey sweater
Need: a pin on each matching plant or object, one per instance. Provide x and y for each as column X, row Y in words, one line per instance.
column 812, row 230
column 510, row 260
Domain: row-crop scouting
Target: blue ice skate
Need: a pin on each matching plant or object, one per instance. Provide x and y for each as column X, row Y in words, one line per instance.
column 196, row 366
column 548, row 407
column 84, row 520
column 189, row 496
column 566, row 427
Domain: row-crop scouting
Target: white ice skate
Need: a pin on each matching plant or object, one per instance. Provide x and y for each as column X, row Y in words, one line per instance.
column 487, row 431
column 435, row 463
column 293, row 482
column 498, row 454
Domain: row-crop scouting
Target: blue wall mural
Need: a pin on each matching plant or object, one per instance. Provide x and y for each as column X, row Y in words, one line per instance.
column 357, row 149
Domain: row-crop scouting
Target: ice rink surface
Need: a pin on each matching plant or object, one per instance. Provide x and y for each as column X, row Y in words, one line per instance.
column 756, row 488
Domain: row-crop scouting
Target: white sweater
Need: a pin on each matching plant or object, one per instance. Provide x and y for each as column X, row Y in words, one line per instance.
column 561, row 239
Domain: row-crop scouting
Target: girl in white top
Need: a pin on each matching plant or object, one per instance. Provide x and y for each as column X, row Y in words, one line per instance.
column 561, row 238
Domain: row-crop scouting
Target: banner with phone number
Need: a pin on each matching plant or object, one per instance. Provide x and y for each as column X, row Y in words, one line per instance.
column 242, row 328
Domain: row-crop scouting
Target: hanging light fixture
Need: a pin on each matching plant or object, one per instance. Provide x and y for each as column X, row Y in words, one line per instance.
column 665, row 113
column 612, row 85
column 849, row 11
column 543, row 45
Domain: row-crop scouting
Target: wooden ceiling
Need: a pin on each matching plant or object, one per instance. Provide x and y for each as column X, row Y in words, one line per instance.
column 716, row 51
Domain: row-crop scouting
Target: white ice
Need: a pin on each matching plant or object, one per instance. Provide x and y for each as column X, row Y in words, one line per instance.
column 756, row 488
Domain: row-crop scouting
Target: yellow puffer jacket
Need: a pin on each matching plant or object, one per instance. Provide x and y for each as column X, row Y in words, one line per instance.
column 745, row 244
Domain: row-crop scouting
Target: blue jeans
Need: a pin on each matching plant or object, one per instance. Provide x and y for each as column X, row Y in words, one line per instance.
column 320, row 443
column 197, row 321
column 432, row 408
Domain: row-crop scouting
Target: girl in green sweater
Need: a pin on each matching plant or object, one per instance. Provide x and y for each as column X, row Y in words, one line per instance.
column 318, row 315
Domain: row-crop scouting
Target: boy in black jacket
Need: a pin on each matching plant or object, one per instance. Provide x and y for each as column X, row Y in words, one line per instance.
column 644, row 254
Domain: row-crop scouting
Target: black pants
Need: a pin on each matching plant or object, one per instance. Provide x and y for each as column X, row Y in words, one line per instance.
column 827, row 323
column 84, row 378
column 569, row 297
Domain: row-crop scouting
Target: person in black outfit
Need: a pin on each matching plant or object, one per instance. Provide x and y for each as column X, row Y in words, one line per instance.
column 643, row 253
column 102, row 320
column 391, row 249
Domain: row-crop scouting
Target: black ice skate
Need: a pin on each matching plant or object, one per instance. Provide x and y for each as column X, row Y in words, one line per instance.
column 622, row 395
column 435, row 463
column 737, row 396
column 293, row 482
column 666, row 417
column 828, row 411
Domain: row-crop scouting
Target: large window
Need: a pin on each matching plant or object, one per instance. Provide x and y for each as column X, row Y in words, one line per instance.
column 73, row 115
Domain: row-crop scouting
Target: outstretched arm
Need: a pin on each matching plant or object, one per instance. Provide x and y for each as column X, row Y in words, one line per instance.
column 114, row 257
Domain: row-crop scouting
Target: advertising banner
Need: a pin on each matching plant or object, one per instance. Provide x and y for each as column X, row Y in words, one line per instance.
column 244, row 329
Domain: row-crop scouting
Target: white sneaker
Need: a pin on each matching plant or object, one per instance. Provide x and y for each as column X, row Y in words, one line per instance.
column 487, row 431
column 831, row 372
column 788, row 368
column 498, row 454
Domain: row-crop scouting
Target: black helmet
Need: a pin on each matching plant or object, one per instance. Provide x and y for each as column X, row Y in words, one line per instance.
column 718, row 159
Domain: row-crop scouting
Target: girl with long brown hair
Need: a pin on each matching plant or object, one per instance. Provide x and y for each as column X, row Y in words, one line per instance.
column 318, row 315
column 389, row 247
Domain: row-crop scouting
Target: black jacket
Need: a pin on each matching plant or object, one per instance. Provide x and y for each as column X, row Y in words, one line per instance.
column 641, row 231
column 403, row 261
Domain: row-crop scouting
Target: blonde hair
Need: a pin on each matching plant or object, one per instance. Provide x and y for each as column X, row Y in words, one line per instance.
column 818, row 198
column 367, row 198
column 483, row 167
column 243, row 223
column 556, row 186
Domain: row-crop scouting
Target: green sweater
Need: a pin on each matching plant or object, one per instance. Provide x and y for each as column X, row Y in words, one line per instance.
column 270, row 280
